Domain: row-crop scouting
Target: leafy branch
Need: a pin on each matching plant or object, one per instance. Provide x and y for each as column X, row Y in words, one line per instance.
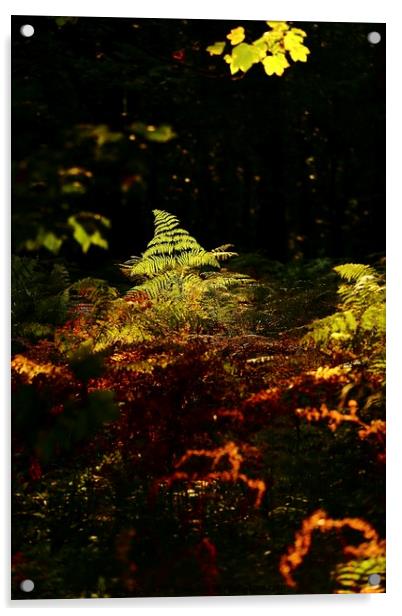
column 273, row 49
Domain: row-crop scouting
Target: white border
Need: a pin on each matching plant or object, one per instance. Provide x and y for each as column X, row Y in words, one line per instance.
column 295, row 10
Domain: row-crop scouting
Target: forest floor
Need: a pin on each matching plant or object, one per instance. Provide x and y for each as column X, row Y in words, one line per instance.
column 187, row 464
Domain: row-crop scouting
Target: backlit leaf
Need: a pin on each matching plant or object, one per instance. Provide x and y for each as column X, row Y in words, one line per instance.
column 217, row 48
column 275, row 65
column 299, row 31
column 243, row 57
column 299, row 53
column 281, row 26
column 45, row 239
column 292, row 39
column 280, row 41
column 86, row 232
column 261, row 45
column 236, row 35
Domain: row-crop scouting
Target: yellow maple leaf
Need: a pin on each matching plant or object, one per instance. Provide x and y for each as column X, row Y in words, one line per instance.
column 275, row 64
column 299, row 31
column 282, row 26
column 292, row 39
column 299, row 53
column 217, row 48
column 236, row 35
column 261, row 47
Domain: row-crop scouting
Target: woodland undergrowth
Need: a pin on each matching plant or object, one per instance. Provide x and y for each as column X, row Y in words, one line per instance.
column 215, row 426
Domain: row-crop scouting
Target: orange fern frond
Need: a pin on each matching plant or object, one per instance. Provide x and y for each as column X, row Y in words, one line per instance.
column 319, row 521
column 232, row 453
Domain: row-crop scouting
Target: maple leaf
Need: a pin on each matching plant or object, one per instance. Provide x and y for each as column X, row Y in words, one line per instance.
column 299, row 31
column 292, row 39
column 236, row 35
column 243, row 57
column 282, row 26
column 261, row 45
column 299, row 53
column 217, row 48
column 275, row 65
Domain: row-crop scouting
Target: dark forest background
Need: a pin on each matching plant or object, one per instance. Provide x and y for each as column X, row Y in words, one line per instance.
column 290, row 166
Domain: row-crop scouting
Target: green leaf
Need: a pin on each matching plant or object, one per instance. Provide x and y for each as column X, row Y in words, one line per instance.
column 81, row 236
column 51, row 242
column 243, row 57
column 45, row 239
column 85, row 231
column 98, row 240
column 262, row 45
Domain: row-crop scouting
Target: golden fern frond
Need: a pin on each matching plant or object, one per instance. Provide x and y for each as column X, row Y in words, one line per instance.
column 223, row 253
column 152, row 266
column 355, row 575
column 175, row 264
column 352, row 272
column 198, row 259
column 359, row 323
column 223, row 248
column 170, row 247
column 158, row 284
column 164, row 221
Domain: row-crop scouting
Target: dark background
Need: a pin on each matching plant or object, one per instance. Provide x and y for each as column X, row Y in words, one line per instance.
column 290, row 166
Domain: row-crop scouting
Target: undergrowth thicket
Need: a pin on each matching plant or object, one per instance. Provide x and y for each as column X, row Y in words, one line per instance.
column 204, row 432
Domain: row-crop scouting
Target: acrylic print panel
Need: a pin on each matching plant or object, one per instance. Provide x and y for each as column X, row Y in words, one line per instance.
column 206, row 417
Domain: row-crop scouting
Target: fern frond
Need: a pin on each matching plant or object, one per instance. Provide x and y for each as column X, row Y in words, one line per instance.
column 359, row 323
column 198, row 259
column 169, row 249
column 223, row 253
column 352, row 272
column 353, row 576
column 171, row 255
column 184, row 281
column 152, row 266
column 159, row 284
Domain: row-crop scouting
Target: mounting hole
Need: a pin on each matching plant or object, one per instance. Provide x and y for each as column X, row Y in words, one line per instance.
column 374, row 38
column 27, row 585
column 27, row 30
column 374, row 579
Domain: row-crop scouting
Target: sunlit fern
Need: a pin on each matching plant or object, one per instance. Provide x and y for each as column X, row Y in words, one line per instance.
column 359, row 323
column 174, row 260
column 354, row 576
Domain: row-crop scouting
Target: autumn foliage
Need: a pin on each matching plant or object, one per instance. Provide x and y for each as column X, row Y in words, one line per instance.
column 206, row 440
